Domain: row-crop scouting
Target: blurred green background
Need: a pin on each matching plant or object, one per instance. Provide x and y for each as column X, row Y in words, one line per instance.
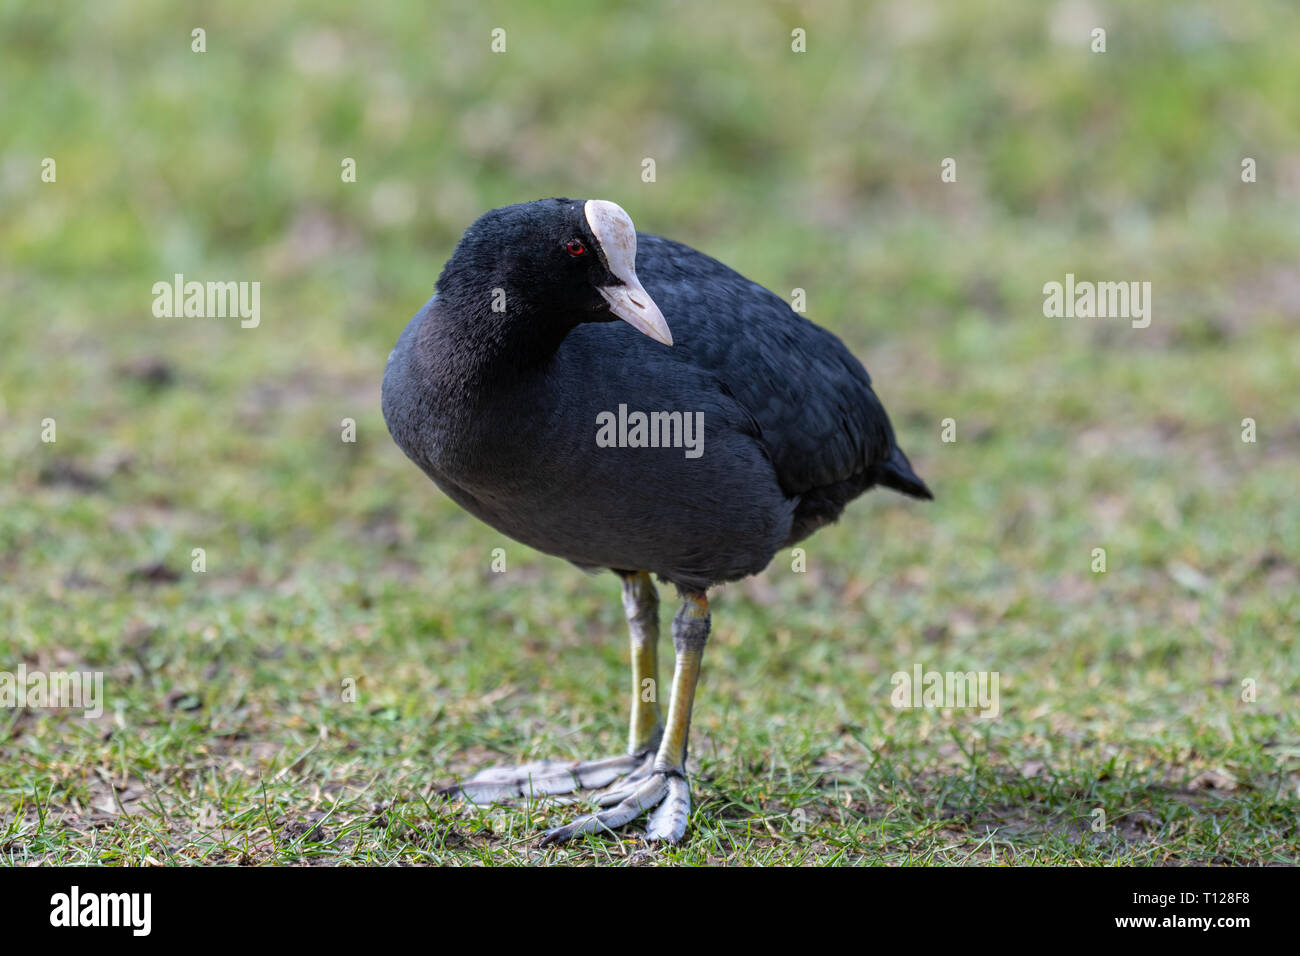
column 226, row 739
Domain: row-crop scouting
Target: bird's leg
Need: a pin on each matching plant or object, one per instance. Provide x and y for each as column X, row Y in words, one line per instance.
column 557, row 777
column 641, row 602
column 690, row 632
column 665, row 790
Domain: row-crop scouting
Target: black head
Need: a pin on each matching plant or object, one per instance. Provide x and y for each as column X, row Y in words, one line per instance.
column 551, row 264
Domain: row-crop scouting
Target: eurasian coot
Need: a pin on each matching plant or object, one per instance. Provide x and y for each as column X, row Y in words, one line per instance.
column 710, row 428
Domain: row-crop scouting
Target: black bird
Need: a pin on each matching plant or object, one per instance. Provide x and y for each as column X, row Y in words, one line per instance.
column 710, row 428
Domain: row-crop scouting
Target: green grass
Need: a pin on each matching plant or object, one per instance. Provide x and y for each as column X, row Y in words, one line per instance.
column 226, row 738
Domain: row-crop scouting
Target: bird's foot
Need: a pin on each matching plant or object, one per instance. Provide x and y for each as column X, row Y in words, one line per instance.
column 666, row 793
column 627, row 786
column 549, row 778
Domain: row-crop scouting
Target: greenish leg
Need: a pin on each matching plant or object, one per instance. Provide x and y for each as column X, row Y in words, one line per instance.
column 690, row 632
column 641, row 602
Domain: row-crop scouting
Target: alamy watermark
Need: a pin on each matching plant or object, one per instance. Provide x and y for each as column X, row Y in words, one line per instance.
column 75, row 908
column 37, row 689
column 208, row 300
column 939, row 690
column 651, row 430
column 1098, row 300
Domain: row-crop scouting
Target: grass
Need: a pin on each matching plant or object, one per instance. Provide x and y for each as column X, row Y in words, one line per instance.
column 226, row 736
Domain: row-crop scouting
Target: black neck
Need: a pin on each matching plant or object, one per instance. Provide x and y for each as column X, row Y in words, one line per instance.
column 471, row 349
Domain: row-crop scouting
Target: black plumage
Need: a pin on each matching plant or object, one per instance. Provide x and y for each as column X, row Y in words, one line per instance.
column 500, row 408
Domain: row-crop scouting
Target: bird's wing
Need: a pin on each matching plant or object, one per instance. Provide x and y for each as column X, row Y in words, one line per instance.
column 820, row 419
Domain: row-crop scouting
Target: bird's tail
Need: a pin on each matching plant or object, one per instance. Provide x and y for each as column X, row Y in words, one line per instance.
column 897, row 474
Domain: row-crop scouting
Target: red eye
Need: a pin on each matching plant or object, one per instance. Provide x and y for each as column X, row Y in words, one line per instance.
column 575, row 247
